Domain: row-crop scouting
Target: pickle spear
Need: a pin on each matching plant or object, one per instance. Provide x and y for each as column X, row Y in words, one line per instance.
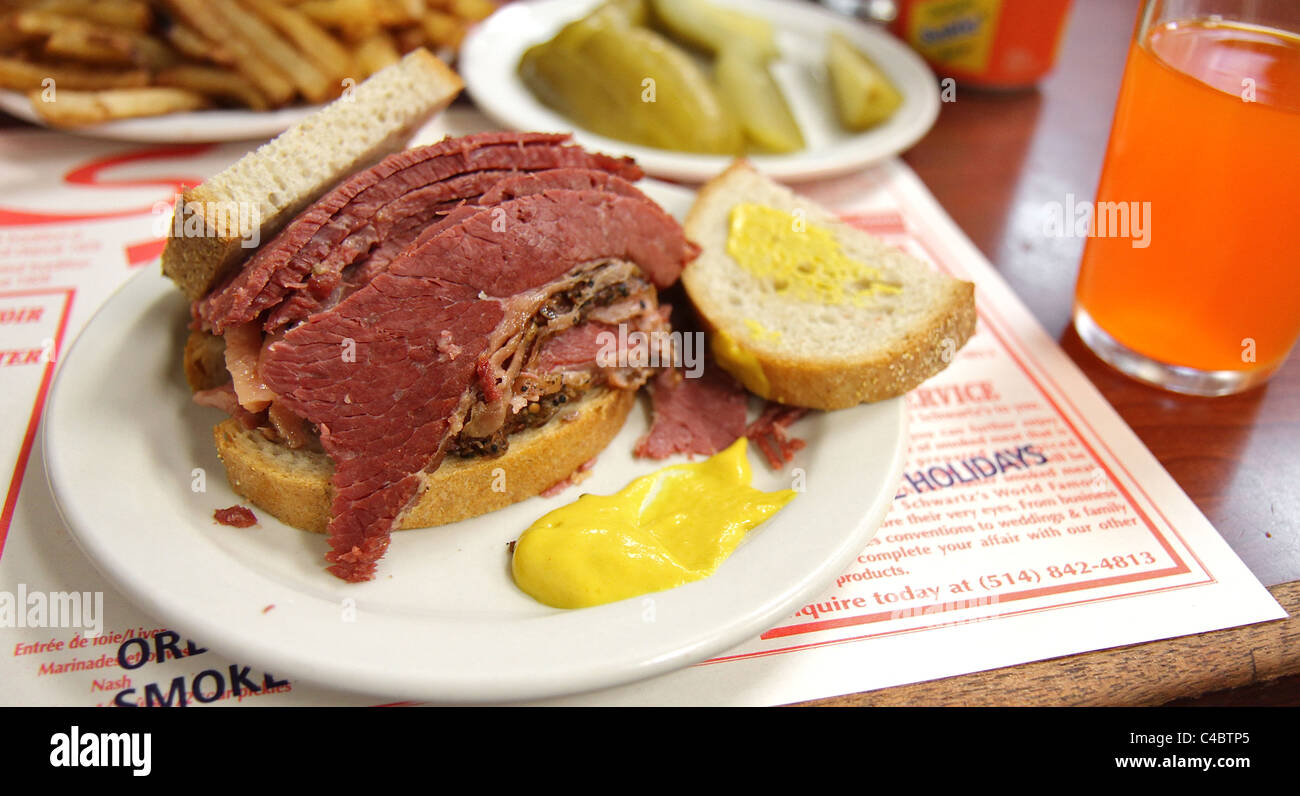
column 636, row 11
column 864, row 96
column 747, row 86
column 630, row 83
column 557, row 74
column 704, row 26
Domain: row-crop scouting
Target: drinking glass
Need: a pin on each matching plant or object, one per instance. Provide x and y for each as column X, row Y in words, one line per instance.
column 1190, row 278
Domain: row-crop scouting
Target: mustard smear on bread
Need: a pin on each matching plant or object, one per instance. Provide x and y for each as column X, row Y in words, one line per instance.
column 671, row 527
column 760, row 332
column 799, row 259
column 740, row 362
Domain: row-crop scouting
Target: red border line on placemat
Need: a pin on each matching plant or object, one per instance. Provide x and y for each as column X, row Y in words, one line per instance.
column 970, row 620
column 25, row 450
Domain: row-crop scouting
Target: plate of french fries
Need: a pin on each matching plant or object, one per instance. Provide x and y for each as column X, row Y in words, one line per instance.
column 206, row 70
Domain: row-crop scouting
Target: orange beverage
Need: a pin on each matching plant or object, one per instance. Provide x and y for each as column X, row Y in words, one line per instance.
column 1207, row 130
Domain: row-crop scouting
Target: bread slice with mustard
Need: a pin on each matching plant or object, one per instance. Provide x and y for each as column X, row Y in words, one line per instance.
column 805, row 309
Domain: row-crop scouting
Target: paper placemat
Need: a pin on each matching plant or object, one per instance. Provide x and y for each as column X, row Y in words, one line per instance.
column 1031, row 522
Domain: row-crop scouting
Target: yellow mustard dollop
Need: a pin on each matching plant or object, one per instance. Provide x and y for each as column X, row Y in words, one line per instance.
column 799, row 259
column 664, row 529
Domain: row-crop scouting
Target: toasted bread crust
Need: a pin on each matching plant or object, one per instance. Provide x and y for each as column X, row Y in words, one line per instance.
column 205, row 361
column 294, row 486
column 841, row 382
column 833, row 385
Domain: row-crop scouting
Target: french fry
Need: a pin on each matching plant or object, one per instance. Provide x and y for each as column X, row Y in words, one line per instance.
column 28, row 76
column 192, row 44
column 357, row 20
column 86, row 42
column 472, row 10
column 443, row 29
column 37, row 24
column 214, row 81
column 12, row 39
column 311, row 82
column 329, row 55
column 375, row 53
column 410, row 38
column 205, row 18
column 395, row 13
column 127, row 14
column 78, row 108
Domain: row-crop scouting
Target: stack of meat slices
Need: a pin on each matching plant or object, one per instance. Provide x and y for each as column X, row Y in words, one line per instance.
column 437, row 303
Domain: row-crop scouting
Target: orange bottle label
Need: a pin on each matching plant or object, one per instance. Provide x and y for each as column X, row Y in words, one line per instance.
column 996, row 43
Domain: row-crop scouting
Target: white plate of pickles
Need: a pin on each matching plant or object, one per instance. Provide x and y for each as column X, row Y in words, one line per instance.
column 685, row 86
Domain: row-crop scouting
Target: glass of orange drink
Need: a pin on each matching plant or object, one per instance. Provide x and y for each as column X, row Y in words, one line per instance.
column 1190, row 278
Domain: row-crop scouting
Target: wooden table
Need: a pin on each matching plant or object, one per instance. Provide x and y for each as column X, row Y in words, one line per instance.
column 993, row 161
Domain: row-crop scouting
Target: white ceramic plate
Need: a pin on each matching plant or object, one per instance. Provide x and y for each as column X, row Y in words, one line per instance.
column 491, row 52
column 180, row 128
column 443, row 620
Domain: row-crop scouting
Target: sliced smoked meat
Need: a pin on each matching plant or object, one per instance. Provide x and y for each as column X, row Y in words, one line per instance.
column 340, row 228
column 329, row 284
column 573, row 179
column 373, row 374
column 768, row 433
column 702, row 415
